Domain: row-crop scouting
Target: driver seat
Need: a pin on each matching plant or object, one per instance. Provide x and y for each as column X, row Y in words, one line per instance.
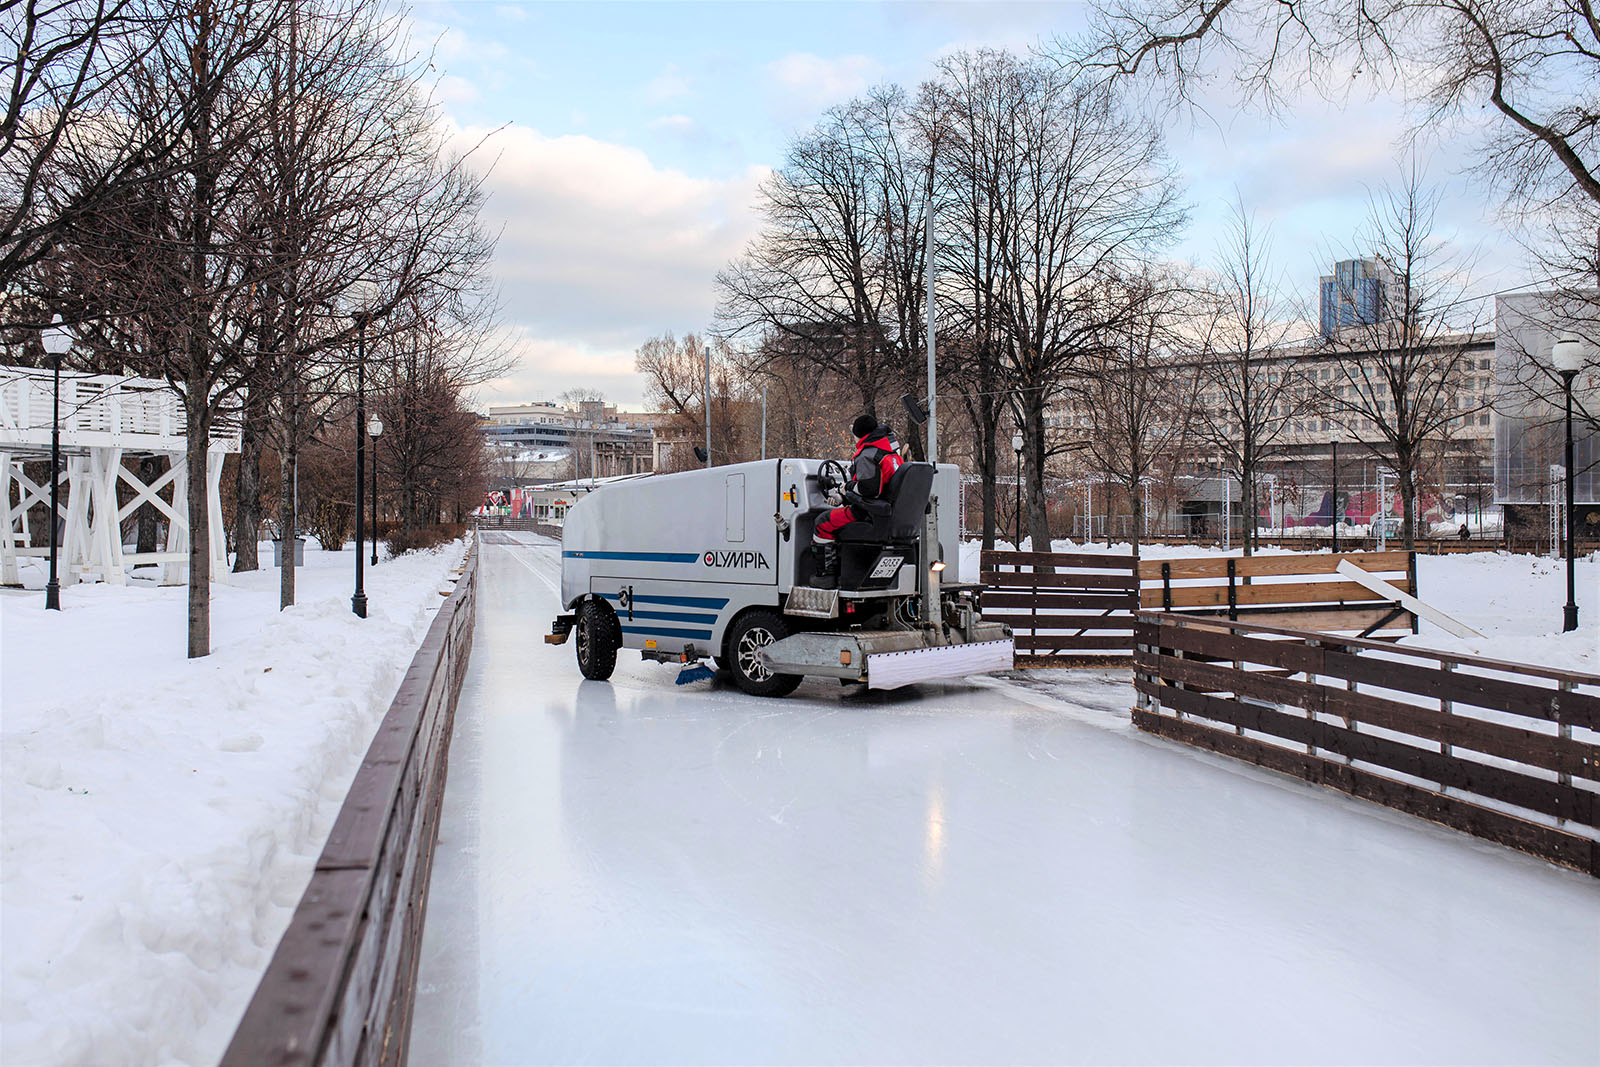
column 896, row 515
column 871, row 552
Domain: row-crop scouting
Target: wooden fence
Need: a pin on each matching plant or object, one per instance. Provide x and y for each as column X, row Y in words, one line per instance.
column 341, row 985
column 1076, row 609
column 1065, row 609
column 1302, row 591
column 1507, row 752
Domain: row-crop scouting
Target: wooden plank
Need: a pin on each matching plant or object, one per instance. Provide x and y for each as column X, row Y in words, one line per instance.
column 1497, row 783
column 1085, row 560
column 1069, row 580
column 1546, row 750
column 1523, row 670
column 1194, row 596
column 1497, row 694
column 1354, row 618
column 1050, row 600
column 1050, row 642
column 1106, row 661
column 1546, row 842
column 1062, row 622
column 1382, row 588
column 1260, row 566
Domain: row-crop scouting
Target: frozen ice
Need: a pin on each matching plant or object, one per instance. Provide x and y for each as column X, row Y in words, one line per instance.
column 984, row 872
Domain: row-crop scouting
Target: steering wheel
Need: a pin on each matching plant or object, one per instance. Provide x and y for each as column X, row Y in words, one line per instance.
column 831, row 475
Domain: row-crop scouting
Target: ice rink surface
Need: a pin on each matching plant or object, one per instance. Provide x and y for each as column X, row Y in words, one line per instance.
column 632, row 872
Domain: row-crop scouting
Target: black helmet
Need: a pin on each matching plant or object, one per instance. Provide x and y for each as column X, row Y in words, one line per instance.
column 863, row 425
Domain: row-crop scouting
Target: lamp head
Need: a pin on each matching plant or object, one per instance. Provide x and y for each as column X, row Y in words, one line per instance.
column 1016, row 442
column 55, row 338
column 374, row 426
column 360, row 297
column 1566, row 355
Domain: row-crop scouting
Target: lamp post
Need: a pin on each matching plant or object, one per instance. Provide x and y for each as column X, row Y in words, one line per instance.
column 374, row 431
column 56, row 342
column 358, row 602
column 1566, row 355
column 1016, row 446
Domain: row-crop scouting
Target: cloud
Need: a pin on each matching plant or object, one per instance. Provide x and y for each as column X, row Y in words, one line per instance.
column 809, row 82
column 452, row 89
column 678, row 124
column 601, row 248
column 671, row 84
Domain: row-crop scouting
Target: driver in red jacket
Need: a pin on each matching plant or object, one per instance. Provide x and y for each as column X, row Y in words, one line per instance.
column 876, row 458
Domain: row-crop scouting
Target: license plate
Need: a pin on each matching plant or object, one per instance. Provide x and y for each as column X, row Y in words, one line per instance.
column 887, row 566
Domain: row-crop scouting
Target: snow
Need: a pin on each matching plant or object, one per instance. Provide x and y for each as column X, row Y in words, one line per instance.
column 1000, row 871
column 1513, row 599
column 162, row 815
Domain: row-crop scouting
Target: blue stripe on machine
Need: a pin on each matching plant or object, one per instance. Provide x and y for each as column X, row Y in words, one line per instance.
column 637, row 557
column 656, row 631
column 675, row 601
column 671, row 616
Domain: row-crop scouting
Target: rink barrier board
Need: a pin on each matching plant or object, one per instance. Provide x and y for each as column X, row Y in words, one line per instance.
column 1076, row 609
column 1231, row 688
column 341, row 985
column 1067, row 609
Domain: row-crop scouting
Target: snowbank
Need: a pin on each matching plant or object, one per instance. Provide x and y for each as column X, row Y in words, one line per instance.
column 1513, row 600
column 162, row 815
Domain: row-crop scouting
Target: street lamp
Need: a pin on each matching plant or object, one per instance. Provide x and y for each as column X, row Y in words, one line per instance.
column 56, row 342
column 1566, row 355
column 374, row 431
column 361, row 298
column 1016, row 446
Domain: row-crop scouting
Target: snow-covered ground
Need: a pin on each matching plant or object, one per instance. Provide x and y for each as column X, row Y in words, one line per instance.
column 1514, row 600
column 161, row 815
column 1002, row 871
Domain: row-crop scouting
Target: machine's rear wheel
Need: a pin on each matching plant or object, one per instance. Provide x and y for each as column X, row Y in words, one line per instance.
column 598, row 636
column 754, row 631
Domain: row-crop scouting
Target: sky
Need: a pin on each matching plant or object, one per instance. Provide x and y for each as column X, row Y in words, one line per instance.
column 624, row 143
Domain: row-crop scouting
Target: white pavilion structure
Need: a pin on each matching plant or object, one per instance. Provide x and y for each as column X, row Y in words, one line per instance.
column 105, row 419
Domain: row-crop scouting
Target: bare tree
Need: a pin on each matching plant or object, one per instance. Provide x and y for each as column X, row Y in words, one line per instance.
column 1088, row 192
column 1251, row 393
column 1137, row 395
column 1536, row 65
column 837, row 270
column 1398, row 382
column 977, row 97
column 60, row 65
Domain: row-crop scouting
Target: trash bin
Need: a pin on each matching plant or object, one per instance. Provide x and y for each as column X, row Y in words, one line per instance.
column 299, row 552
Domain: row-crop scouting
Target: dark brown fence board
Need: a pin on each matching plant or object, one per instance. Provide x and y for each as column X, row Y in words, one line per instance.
column 1078, row 560
column 1239, row 677
column 1064, row 605
column 1547, row 842
column 1046, row 580
column 1497, row 783
column 1051, row 600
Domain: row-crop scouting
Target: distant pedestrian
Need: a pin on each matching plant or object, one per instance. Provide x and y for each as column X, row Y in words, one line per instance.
column 1465, row 534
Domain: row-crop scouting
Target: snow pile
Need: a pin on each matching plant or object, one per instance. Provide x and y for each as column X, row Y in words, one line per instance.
column 1514, row 600
column 162, row 815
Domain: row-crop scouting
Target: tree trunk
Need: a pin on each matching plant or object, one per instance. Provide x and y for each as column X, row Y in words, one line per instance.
column 287, row 519
column 1406, row 462
column 247, row 487
column 199, row 438
column 1034, row 452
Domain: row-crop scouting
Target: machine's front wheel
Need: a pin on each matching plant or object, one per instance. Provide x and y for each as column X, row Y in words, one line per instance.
column 598, row 636
column 754, row 631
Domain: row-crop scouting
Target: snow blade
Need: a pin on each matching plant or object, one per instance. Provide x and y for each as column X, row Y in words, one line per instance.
column 891, row 670
column 697, row 672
